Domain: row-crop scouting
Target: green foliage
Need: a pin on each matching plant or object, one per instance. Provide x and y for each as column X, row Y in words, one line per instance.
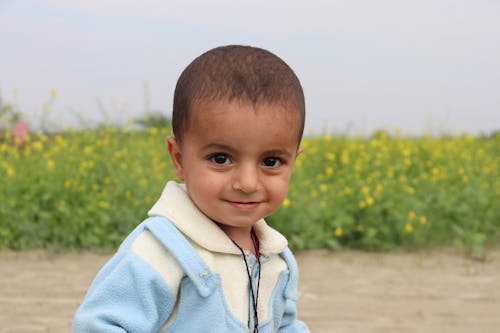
column 385, row 193
column 158, row 120
column 89, row 189
column 79, row 190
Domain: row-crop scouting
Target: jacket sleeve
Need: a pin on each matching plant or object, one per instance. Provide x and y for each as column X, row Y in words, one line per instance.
column 289, row 322
column 127, row 295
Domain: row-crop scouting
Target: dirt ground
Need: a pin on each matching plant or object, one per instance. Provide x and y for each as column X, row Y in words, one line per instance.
column 350, row 292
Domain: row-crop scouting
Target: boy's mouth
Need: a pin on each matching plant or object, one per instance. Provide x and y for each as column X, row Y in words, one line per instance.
column 243, row 205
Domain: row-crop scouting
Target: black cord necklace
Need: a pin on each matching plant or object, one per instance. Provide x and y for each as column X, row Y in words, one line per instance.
column 255, row 295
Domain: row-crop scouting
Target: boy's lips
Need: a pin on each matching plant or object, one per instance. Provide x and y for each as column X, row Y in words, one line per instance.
column 243, row 205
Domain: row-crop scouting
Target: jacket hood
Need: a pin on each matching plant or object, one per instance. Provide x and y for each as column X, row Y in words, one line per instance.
column 176, row 205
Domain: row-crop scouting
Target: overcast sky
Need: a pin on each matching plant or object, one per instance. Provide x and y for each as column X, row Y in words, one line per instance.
column 418, row 65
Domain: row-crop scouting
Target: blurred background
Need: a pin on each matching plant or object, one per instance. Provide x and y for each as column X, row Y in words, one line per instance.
column 419, row 66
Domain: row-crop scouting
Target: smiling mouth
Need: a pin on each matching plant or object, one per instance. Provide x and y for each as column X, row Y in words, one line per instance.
column 241, row 205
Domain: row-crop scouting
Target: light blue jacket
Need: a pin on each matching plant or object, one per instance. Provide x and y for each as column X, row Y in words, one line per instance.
column 128, row 295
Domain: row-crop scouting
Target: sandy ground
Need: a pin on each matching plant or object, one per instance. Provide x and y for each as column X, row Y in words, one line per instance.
column 436, row 292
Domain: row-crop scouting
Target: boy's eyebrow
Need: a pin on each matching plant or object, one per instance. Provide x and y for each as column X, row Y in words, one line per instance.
column 225, row 147
column 217, row 146
column 279, row 152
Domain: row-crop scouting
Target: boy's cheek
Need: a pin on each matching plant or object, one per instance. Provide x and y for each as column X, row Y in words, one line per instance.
column 281, row 187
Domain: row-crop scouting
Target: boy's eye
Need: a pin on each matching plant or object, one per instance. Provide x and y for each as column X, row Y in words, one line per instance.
column 220, row 159
column 272, row 162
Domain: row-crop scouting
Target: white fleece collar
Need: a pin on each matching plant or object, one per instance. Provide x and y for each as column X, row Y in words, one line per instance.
column 178, row 208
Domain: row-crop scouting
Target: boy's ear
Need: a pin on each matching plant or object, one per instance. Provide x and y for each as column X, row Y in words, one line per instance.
column 176, row 155
column 299, row 150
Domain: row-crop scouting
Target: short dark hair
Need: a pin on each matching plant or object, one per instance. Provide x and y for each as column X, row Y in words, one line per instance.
column 236, row 72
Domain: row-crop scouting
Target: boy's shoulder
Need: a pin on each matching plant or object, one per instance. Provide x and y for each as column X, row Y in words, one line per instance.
column 165, row 248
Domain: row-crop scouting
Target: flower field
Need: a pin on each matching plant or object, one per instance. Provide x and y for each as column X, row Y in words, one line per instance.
column 87, row 189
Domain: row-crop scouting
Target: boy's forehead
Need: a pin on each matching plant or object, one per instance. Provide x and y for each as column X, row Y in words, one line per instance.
column 202, row 110
column 244, row 114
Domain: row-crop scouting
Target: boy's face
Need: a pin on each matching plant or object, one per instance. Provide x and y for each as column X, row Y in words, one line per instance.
column 236, row 161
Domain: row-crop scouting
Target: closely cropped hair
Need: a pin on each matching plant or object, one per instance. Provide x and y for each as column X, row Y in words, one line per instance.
column 241, row 73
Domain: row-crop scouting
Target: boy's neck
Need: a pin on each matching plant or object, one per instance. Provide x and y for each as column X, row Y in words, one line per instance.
column 241, row 236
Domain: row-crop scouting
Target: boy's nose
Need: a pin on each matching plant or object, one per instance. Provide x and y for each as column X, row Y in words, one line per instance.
column 246, row 179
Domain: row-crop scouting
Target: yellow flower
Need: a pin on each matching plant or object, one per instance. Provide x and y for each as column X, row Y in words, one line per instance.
column 410, row 190
column 50, row 165
column 104, row 204
column 10, row 172
column 411, row 215
column 408, row 228
column 286, row 203
column 152, row 131
column 422, row 220
column 347, row 190
column 344, row 158
column 370, row 201
column 365, row 190
column 37, row 145
column 88, row 150
column 338, row 232
column 323, row 187
column 362, row 204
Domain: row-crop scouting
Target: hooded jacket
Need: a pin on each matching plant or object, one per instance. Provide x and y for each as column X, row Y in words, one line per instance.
column 179, row 272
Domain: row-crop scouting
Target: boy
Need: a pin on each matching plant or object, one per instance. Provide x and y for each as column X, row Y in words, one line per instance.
column 205, row 260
